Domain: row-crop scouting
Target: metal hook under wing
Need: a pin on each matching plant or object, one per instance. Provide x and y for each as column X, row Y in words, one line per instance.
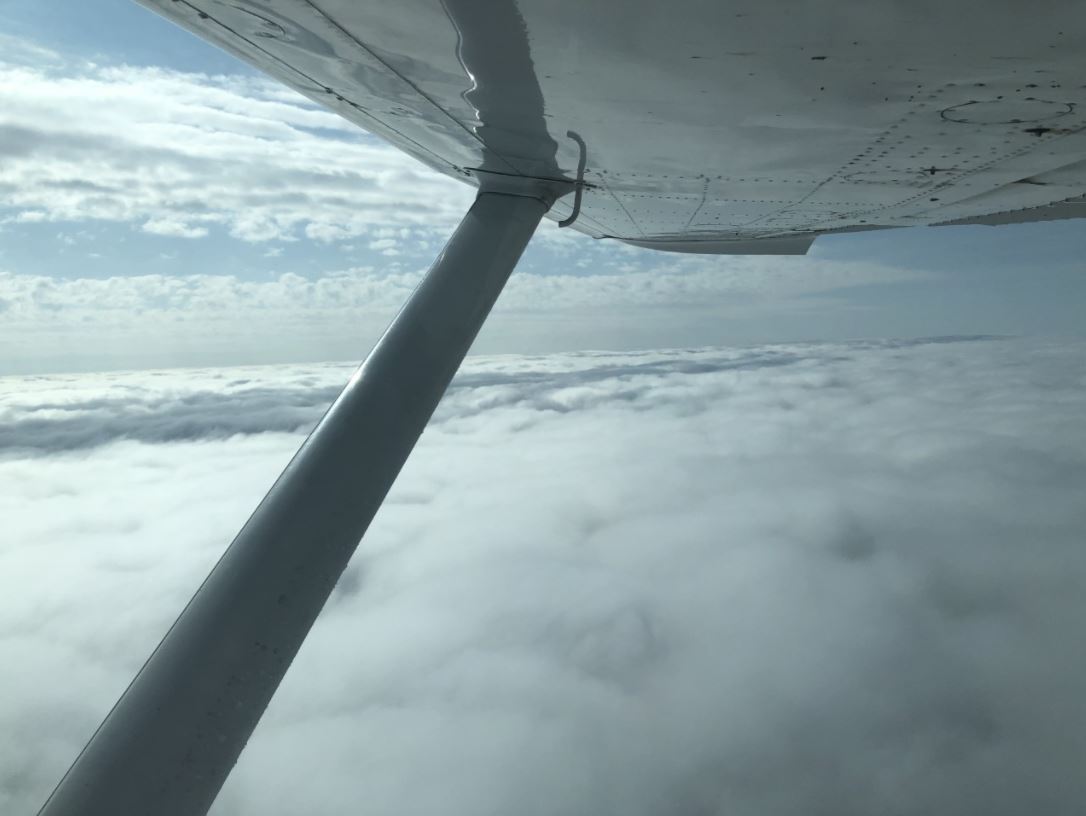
column 579, row 189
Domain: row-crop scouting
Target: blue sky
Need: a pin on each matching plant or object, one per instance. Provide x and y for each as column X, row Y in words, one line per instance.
column 166, row 205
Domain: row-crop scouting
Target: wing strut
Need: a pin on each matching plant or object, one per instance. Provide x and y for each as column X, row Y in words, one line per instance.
column 168, row 744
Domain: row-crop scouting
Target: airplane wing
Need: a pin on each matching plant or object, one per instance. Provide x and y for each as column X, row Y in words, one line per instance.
column 709, row 126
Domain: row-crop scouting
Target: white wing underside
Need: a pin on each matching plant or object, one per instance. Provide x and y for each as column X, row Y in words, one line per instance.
column 736, row 126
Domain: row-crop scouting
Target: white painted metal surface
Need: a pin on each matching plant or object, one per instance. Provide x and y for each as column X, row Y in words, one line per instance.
column 706, row 121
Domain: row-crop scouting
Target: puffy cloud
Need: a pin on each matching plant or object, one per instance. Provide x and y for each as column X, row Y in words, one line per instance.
column 175, row 154
column 775, row 580
column 173, row 227
column 95, row 322
column 676, row 284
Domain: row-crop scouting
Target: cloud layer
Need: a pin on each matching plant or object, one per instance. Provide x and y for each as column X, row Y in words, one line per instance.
column 829, row 579
column 177, row 154
column 141, row 320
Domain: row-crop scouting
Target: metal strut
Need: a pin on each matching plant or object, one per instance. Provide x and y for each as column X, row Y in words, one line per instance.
column 171, row 740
